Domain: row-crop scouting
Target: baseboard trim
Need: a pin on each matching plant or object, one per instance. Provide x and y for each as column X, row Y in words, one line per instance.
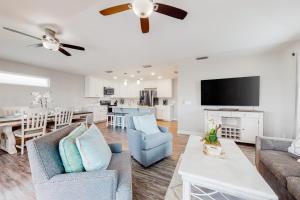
column 186, row 132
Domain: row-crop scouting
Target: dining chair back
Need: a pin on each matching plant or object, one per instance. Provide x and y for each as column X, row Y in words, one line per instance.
column 33, row 124
column 63, row 117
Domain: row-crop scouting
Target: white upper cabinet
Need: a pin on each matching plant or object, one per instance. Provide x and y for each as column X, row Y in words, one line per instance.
column 94, row 87
column 164, row 88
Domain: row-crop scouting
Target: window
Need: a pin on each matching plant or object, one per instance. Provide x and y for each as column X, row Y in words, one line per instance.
column 21, row 79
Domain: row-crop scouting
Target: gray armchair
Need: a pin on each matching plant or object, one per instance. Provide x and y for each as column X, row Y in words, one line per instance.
column 278, row 167
column 148, row 149
column 51, row 181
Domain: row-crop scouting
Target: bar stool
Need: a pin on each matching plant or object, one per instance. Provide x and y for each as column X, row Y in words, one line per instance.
column 110, row 119
column 119, row 120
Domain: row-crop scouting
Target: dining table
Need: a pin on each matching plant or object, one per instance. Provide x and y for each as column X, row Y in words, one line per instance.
column 7, row 137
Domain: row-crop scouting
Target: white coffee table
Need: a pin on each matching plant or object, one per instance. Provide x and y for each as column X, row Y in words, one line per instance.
column 230, row 177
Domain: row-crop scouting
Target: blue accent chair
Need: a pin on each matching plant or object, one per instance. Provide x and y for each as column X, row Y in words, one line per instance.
column 52, row 183
column 148, row 149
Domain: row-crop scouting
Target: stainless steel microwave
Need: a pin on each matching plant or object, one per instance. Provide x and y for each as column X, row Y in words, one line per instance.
column 109, row 91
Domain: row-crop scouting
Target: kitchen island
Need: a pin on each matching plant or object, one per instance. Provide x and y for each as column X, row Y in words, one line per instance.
column 133, row 110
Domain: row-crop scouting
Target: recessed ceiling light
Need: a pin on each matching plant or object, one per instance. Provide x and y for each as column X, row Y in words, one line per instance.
column 141, row 79
column 115, row 77
column 147, row 66
column 109, row 71
column 159, row 77
column 202, row 58
column 132, row 75
column 152, row 73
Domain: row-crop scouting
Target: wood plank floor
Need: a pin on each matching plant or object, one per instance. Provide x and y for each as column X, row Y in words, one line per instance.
column 148, row 183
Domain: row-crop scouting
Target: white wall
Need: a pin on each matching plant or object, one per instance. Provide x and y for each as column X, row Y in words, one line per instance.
column 67, row 89
column 277, row 70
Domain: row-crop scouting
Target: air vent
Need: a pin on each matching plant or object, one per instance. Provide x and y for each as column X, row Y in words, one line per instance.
column 202, row 58
column 109, row 71
column 147, row 66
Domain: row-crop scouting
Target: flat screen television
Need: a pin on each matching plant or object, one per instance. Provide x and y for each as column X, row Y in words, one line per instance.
column 243, row 91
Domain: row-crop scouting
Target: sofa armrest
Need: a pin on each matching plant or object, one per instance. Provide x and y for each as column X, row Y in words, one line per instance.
column 84, row 185
column 115, row 147
column 163, row 129
column 271, row 143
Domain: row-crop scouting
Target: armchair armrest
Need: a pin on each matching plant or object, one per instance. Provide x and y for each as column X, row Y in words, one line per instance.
column 115, row 147
column 271, row 143
column 84, row 185
column 163, row 129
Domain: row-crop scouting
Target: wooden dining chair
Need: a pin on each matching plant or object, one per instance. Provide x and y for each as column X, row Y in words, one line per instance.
column 63, row 117
column 33, row 125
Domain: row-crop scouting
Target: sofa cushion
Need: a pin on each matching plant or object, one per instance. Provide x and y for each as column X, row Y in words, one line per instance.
column 69, row 153
column 154, row 140
column 281, row 164
column 121, row 162
column 94, row 151
column 293, row 185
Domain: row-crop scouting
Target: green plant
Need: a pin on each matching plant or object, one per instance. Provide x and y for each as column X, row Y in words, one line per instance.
column 211, row 137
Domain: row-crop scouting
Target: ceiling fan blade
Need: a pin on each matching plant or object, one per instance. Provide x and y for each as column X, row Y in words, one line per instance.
column 170, row 11
column 19, row 32
column 116, row 9
column 145, row 25
column 36, row 45
column 64, row 51
column 72, row 46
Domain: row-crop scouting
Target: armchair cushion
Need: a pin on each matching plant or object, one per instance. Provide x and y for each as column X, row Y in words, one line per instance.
column 281, row 164
column 69, row 153
column 154, row 140
column 94, row 150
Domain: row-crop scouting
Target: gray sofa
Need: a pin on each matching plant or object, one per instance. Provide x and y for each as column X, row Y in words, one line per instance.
column 52, row 183
column 148, row 149
column 279, row 168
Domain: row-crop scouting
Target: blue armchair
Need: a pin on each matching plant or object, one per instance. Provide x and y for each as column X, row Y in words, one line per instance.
column 51, row 182
column 148, row 149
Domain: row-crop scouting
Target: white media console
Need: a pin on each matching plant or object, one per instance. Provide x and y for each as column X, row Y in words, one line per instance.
column 238, row 125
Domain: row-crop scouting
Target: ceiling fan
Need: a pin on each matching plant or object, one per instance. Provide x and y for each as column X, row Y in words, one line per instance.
column 143, row 9
column 49, row 41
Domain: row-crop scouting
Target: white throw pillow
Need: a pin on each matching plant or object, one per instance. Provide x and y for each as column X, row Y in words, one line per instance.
column 94, row 150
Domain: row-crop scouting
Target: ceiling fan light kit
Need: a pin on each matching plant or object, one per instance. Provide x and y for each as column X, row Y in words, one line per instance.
column 144, row 9
column 49, row 41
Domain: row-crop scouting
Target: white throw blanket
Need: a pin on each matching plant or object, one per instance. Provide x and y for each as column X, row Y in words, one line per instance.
column 295, row 148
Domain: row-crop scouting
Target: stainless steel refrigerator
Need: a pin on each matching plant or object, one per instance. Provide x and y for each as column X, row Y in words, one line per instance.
column 148, row 97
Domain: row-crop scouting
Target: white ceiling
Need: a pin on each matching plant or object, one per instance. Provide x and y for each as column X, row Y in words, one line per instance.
column 116, row 43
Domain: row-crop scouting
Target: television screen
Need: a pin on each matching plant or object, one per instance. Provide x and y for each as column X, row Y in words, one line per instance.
column 242, row 91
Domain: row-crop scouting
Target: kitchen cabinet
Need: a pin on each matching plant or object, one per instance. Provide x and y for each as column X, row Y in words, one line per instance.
column 99, row 112
column 94, row 87
column 164, row 113
column 164, row 88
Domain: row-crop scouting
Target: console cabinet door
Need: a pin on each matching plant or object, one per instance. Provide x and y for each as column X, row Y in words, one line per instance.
column 250, row 129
